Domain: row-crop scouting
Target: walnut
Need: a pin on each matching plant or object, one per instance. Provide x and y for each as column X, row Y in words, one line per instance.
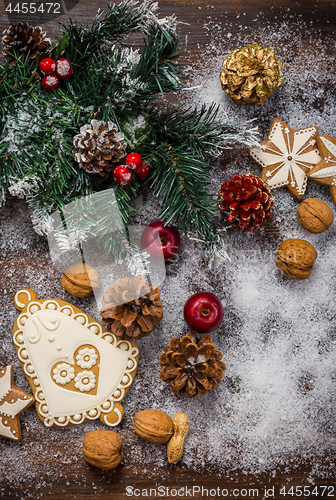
column 315, row 215
column 296, row 258
column 103, row 449
column 154, row 426
column 79, row 279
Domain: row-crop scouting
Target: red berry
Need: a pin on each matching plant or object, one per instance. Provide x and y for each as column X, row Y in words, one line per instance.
column 133, row 161
column 143, row 172
column 122, row 175
column 203, row 312
column 50, row 82
column 47, row 66
column 63, row 68
column 158, row 239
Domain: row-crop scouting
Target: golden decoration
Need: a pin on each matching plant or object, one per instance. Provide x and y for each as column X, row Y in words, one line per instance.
column 251, row 74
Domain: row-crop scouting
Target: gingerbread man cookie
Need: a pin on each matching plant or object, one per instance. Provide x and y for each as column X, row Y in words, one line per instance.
column 324, row 172
column 13, row 401
column 77, row 369
column 287, row 156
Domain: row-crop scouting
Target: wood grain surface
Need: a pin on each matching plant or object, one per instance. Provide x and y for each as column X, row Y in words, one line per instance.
column 84, row 481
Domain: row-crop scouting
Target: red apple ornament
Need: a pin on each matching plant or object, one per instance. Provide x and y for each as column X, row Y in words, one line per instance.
column 158, row 239
column 47, row 66
column 63, row 68
column 50, row 82
column 133, row 161
column 203, row 312
column 122, row 175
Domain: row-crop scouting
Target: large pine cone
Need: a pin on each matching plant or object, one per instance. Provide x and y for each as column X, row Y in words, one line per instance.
column 23, row 38
column 192, row 367
column 129, row 309
column 246, row 201
column 98, row 148
column 251, row 74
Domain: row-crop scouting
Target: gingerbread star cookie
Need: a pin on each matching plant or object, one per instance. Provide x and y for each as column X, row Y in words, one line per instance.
column 13, row 401
column 287, row 156
column 324, row 171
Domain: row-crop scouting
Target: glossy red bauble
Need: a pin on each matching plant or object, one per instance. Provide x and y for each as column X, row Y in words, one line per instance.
column 158, row 239
column 50, row 82
column 47, row 66
column 143, row 172
column 63, row 68
column 122, row 175
column 133, row 161
column 203, row 312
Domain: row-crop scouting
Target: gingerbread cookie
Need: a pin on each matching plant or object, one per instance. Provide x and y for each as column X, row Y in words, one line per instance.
column 13, row 401
column 77, row 370
column 287, row 156
column 325, row 171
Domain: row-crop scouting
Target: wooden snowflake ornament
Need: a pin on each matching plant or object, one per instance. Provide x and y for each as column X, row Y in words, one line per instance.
column 324, row 171
column 287, row 156
column 13, row 401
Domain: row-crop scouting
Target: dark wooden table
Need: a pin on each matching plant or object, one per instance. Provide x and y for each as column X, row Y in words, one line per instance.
column 69, row 477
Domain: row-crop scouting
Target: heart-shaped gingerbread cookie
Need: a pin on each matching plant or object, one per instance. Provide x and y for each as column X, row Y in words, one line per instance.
column 76, row 368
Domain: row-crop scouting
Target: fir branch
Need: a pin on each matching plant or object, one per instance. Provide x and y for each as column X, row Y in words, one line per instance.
column 111, row 83
column 180, row 178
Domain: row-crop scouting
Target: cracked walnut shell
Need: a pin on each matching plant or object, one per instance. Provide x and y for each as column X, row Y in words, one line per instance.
column 296, row 258
column 79, row 279
column 315, row 215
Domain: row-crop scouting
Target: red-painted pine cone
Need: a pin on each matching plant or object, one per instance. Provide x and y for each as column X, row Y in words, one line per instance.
column 246, row 201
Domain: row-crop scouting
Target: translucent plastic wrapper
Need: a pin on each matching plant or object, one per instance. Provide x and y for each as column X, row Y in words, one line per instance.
column 90, row 230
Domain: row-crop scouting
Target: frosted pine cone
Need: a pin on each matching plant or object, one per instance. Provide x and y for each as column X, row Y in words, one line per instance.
column 98, row 148
column 246, row 200
column 21, row 39
column 131, row 307
column 192, row 367
column 251, row 74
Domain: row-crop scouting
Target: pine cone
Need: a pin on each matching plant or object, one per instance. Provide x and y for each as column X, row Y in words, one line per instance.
column 129, row 309
column 251, row 74
column 246, row 200
column 99, row 148
column 191, row 367
column 22, row 39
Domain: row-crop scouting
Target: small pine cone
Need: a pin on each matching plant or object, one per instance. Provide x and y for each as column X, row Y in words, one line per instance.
column 251, row 74
column 131, row 307
column 246, row 201
column 191, row 367
column 21, row 39
column 98, row 148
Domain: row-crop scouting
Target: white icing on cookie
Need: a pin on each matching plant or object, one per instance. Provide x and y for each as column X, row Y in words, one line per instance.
column 61, row 404
column 288, row 161
column 86, row 358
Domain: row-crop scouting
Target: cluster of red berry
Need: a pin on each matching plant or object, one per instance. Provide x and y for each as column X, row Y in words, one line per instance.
column 53, row 71
column 123, row 174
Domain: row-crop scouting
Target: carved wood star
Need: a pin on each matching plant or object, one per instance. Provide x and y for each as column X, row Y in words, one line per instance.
column 324, row 171
column 287, row 156
column 13, row 401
